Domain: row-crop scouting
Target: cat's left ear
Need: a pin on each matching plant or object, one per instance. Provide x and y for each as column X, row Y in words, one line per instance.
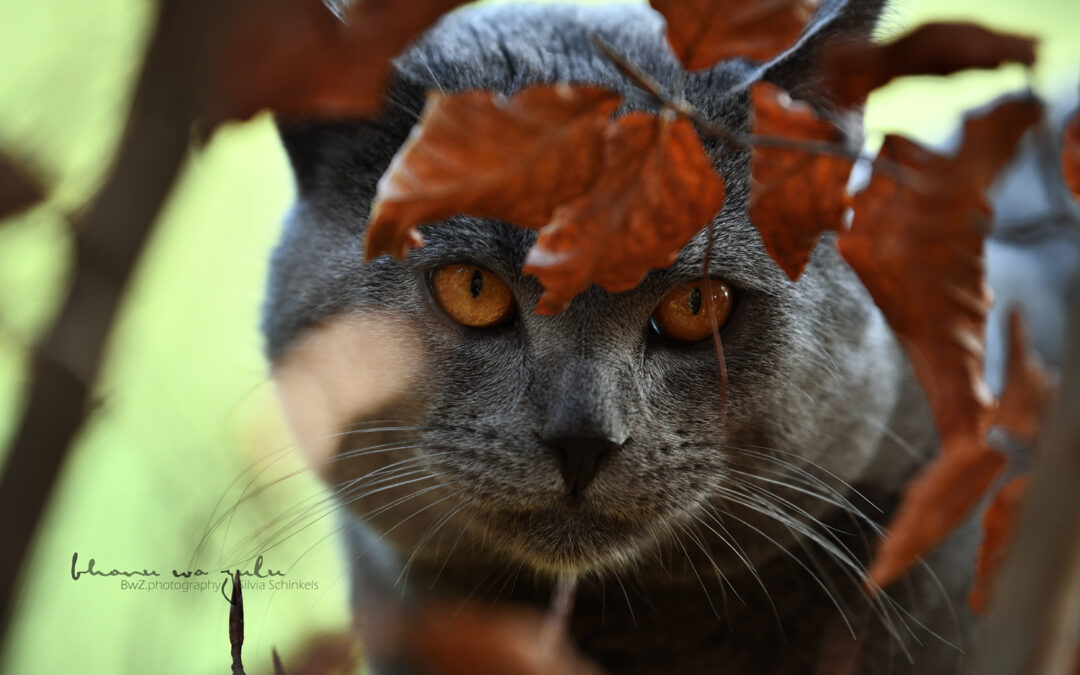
column 798, row 70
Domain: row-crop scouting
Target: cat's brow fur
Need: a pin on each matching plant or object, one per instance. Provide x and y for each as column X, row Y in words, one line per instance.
column 720, row 538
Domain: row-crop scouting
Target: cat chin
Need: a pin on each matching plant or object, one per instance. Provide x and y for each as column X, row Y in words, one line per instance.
column 575, row 540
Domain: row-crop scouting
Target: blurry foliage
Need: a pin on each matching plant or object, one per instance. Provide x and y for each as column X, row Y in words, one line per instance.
column 185, row 403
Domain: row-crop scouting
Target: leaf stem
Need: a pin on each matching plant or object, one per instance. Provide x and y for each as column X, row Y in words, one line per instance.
column 681, row 106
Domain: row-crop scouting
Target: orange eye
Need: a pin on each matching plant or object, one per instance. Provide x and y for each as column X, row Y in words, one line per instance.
column 683, row 315
column 472, row 296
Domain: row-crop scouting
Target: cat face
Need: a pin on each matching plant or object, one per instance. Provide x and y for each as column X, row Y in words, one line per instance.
column 582, row 441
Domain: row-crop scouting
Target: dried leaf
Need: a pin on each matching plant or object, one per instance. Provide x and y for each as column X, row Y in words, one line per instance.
column 613, row 199
column 703, row 32
column 916, row 243
column 918, row 250
column 852, row 71
column 934, row 503
column 298, row 59
column 1028, row 387
column 998, row 524
column 1070, row 155
column 19, row 190
column 480, row 154
column 657, row 189
column 331, row 654
column 795, row 194
column 991, row 137
column 474, row 641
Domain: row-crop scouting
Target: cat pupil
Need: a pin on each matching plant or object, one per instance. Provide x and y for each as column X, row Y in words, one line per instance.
column 477, row 284
column 695, row 301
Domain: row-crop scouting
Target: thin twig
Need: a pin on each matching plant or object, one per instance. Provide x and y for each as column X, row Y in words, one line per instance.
column 236, row 625
column 651, row 86
column 718, row 346
column 279, row 669
column 681, row 106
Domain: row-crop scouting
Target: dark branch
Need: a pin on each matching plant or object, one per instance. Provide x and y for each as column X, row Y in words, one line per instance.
column 236, row 625
column 650, row 86
column 108, row 242
column 19, row 188
column 1033, row 620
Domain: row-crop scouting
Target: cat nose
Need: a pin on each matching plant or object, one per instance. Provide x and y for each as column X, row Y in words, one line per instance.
column 580, row 458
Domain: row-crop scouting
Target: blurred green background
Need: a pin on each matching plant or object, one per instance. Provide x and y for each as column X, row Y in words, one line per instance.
column 186, row 408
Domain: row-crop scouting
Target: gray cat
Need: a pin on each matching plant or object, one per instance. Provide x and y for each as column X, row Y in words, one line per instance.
column 485, row 462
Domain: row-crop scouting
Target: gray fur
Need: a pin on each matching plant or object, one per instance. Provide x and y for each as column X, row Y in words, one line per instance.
column 823, row 421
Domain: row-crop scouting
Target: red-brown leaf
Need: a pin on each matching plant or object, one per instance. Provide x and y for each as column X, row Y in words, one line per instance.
column 795, row 195
column 916, row 243
column 1027, row 386
column 331, row 654
column 703, row 32
column 657, row 189
column 18, row 189
column 298, row 59
column 480, row 154
column 852, row 71
column 934, row 503
column 1070, row 156
column 471, row 641
column 998, row 524
column 918, row 250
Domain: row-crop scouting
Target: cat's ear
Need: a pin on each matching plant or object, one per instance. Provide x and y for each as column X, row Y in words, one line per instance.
column 303, row 144
column 798, row 70
column 349, row 154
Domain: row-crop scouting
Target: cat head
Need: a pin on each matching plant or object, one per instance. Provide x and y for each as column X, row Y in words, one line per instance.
column 580, row 441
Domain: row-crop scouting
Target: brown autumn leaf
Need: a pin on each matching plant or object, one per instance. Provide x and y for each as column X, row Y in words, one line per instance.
column 998, row 523
column 19, row 190
column 456, row 640
column 1070, row 155
column 329, row 654
column 918, row 250
column 795, row 195
column 1028, row 387
column 612, row 198
column 296, row 58
column 934, row 503
column 657, row 189
column 477, row 153
column 703, row 32
column 852, row 71
column 916, row 243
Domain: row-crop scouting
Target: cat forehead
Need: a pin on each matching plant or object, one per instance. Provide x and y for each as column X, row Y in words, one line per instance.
column 318, row 266
column 506, row 47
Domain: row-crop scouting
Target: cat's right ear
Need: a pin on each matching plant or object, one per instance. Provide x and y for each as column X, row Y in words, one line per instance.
column 344, row 155
column 798, row 70
column 303, row 144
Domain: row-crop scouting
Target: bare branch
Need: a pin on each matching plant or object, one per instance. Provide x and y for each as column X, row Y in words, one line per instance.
column 1034, row 617
column 108, row 242
column 19, row 188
